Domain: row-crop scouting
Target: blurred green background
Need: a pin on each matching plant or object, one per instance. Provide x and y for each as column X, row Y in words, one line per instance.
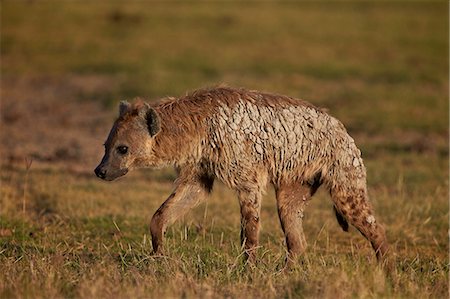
column 382, row 66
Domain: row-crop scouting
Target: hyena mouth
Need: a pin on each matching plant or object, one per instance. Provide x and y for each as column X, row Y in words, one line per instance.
column 116, row 175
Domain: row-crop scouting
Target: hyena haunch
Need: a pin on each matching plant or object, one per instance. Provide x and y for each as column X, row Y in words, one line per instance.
column 246, row 139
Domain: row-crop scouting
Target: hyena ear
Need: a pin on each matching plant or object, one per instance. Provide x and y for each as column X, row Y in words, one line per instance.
column 153, row 122
column 124, row 106
column 152, row 119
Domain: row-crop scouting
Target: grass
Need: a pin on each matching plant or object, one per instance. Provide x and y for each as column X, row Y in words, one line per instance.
column 381, row 68
column 92, row 240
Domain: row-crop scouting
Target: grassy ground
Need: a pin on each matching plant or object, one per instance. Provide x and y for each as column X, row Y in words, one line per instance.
column 380, row 68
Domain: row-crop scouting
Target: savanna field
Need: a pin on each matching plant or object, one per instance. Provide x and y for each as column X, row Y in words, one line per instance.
column 381, row 68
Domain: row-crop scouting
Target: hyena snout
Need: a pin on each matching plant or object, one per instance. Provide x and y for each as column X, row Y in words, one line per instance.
column 108, row 173
column 100, row 172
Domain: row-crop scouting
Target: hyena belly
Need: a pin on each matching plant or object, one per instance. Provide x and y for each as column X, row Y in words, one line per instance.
column 288, row 143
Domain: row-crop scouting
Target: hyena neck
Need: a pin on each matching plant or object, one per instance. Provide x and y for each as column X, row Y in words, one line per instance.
column 182, row 131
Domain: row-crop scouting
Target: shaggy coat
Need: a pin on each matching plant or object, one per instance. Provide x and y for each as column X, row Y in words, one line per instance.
column 246, row 139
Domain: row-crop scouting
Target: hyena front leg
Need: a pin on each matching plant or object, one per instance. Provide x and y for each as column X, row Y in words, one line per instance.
column 188, row 192
column 291, row 202
column 250, row 202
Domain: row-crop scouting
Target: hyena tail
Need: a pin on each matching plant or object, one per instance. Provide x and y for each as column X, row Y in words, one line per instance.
column 315, row 183
column 341, row 220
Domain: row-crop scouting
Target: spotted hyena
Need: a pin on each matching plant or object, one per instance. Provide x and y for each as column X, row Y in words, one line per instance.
column 246, row 139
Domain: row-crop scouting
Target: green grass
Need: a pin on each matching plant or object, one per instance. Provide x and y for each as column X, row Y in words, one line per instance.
column 381, row 68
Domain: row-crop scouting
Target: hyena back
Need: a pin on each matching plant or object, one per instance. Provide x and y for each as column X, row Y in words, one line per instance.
column 245, row 139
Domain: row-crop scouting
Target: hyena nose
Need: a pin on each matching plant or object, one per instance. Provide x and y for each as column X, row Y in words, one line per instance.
column 101, row 173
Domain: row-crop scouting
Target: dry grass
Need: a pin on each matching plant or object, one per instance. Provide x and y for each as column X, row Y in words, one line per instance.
column 380, row 68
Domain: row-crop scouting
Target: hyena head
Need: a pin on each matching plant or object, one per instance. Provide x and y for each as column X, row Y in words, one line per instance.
column 129, row 144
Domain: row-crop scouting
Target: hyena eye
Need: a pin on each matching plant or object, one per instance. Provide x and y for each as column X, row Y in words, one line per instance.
column 122, row 149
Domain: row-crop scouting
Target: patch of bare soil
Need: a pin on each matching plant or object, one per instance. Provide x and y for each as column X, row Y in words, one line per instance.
column 43, row 119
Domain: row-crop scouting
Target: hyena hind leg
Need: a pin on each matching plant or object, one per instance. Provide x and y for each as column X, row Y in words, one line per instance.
column 291, row 202
column 355, row 208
